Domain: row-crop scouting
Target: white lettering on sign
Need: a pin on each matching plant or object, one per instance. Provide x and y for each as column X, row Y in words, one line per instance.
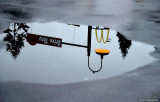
column 43, row 39
column 55, row 42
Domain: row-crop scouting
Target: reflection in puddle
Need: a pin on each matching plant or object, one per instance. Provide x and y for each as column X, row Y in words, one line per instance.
column 124, row 44
column 49, row 64
column 16, row 34
column 15, row 41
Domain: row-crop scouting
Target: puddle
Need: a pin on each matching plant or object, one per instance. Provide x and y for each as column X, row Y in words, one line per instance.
column 68, row 64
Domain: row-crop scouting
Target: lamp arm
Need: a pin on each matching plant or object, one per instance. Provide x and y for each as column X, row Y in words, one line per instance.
column 94, row 71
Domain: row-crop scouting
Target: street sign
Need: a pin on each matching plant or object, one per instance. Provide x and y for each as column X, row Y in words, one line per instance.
column 45, row 40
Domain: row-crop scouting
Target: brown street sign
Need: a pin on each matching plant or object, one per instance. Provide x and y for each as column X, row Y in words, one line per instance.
column 45, row 40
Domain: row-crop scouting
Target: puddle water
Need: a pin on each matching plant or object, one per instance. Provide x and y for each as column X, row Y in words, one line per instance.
column 68, row 64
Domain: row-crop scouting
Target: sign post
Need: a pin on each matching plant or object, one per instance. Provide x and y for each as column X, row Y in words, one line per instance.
column 57, row 42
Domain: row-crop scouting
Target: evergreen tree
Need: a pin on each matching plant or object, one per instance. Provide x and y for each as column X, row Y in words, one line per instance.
column 124, row 44
column 16, row 34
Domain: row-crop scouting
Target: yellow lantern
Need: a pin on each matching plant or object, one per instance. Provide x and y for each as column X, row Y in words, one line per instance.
column 101, row 52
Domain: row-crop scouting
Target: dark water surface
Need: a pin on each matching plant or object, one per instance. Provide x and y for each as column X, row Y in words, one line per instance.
column 55, row 65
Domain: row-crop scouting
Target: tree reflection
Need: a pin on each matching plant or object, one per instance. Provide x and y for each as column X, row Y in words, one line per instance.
column 124, row 44
column 16, row 34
